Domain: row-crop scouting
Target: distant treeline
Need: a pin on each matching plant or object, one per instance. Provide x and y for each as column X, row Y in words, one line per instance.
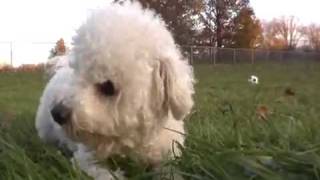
column 232, row 24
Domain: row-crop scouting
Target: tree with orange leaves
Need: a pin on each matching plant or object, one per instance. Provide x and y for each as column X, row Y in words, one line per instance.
column 59, row 49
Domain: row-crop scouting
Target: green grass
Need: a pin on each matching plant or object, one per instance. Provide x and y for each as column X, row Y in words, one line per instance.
column 226, row 139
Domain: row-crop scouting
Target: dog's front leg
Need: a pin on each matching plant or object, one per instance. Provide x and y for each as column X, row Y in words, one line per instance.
column 85, row 160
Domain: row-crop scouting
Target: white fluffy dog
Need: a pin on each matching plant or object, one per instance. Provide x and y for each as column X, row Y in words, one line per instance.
column 125, row 91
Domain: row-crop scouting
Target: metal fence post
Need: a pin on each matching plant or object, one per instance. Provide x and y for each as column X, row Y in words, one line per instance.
column 191, row 55
column 211, row 54
column 214, row 55
column 252, row 56
column 234, row 56
column 281, row 56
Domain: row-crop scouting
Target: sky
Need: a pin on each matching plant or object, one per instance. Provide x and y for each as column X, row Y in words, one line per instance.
column 34, row 25
column 307, row 11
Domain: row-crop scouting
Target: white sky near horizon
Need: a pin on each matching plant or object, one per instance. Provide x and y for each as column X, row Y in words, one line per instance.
column 25, row 22
column 307, row 11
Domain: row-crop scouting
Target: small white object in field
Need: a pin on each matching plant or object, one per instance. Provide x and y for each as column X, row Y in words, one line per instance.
column 253, row 79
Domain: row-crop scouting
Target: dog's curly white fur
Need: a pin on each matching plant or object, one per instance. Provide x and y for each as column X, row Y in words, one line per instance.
column 125, row 91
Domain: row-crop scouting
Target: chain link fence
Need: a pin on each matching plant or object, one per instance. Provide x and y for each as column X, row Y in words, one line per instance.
column 212, row 55
column 16, row 54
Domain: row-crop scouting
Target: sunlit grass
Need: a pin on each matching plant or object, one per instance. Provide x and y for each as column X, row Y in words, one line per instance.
column 226, row 139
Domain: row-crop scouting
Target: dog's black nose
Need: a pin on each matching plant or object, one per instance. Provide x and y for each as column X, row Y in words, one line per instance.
column 61, row 114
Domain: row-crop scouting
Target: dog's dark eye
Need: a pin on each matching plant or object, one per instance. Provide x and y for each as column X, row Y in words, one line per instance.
column 106, row 88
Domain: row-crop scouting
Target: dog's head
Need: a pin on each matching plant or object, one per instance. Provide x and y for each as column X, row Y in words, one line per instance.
column 130, row 78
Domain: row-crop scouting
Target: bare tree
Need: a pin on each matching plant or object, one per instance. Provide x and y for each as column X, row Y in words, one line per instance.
column 270, row 38
column 285, row 32
column 312, row 34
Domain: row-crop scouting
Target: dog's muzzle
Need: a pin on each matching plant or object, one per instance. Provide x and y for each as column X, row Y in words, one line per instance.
column 61, row 114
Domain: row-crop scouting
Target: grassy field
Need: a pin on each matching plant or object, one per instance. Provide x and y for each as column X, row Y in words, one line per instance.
column 227, row 139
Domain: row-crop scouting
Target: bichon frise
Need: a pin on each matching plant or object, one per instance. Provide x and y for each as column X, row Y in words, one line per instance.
column 125, row 91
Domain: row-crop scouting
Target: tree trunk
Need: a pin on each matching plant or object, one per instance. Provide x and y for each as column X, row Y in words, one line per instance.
column 219, row 31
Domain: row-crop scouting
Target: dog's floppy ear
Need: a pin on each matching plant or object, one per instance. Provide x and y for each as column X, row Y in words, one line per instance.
column 174, row 83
